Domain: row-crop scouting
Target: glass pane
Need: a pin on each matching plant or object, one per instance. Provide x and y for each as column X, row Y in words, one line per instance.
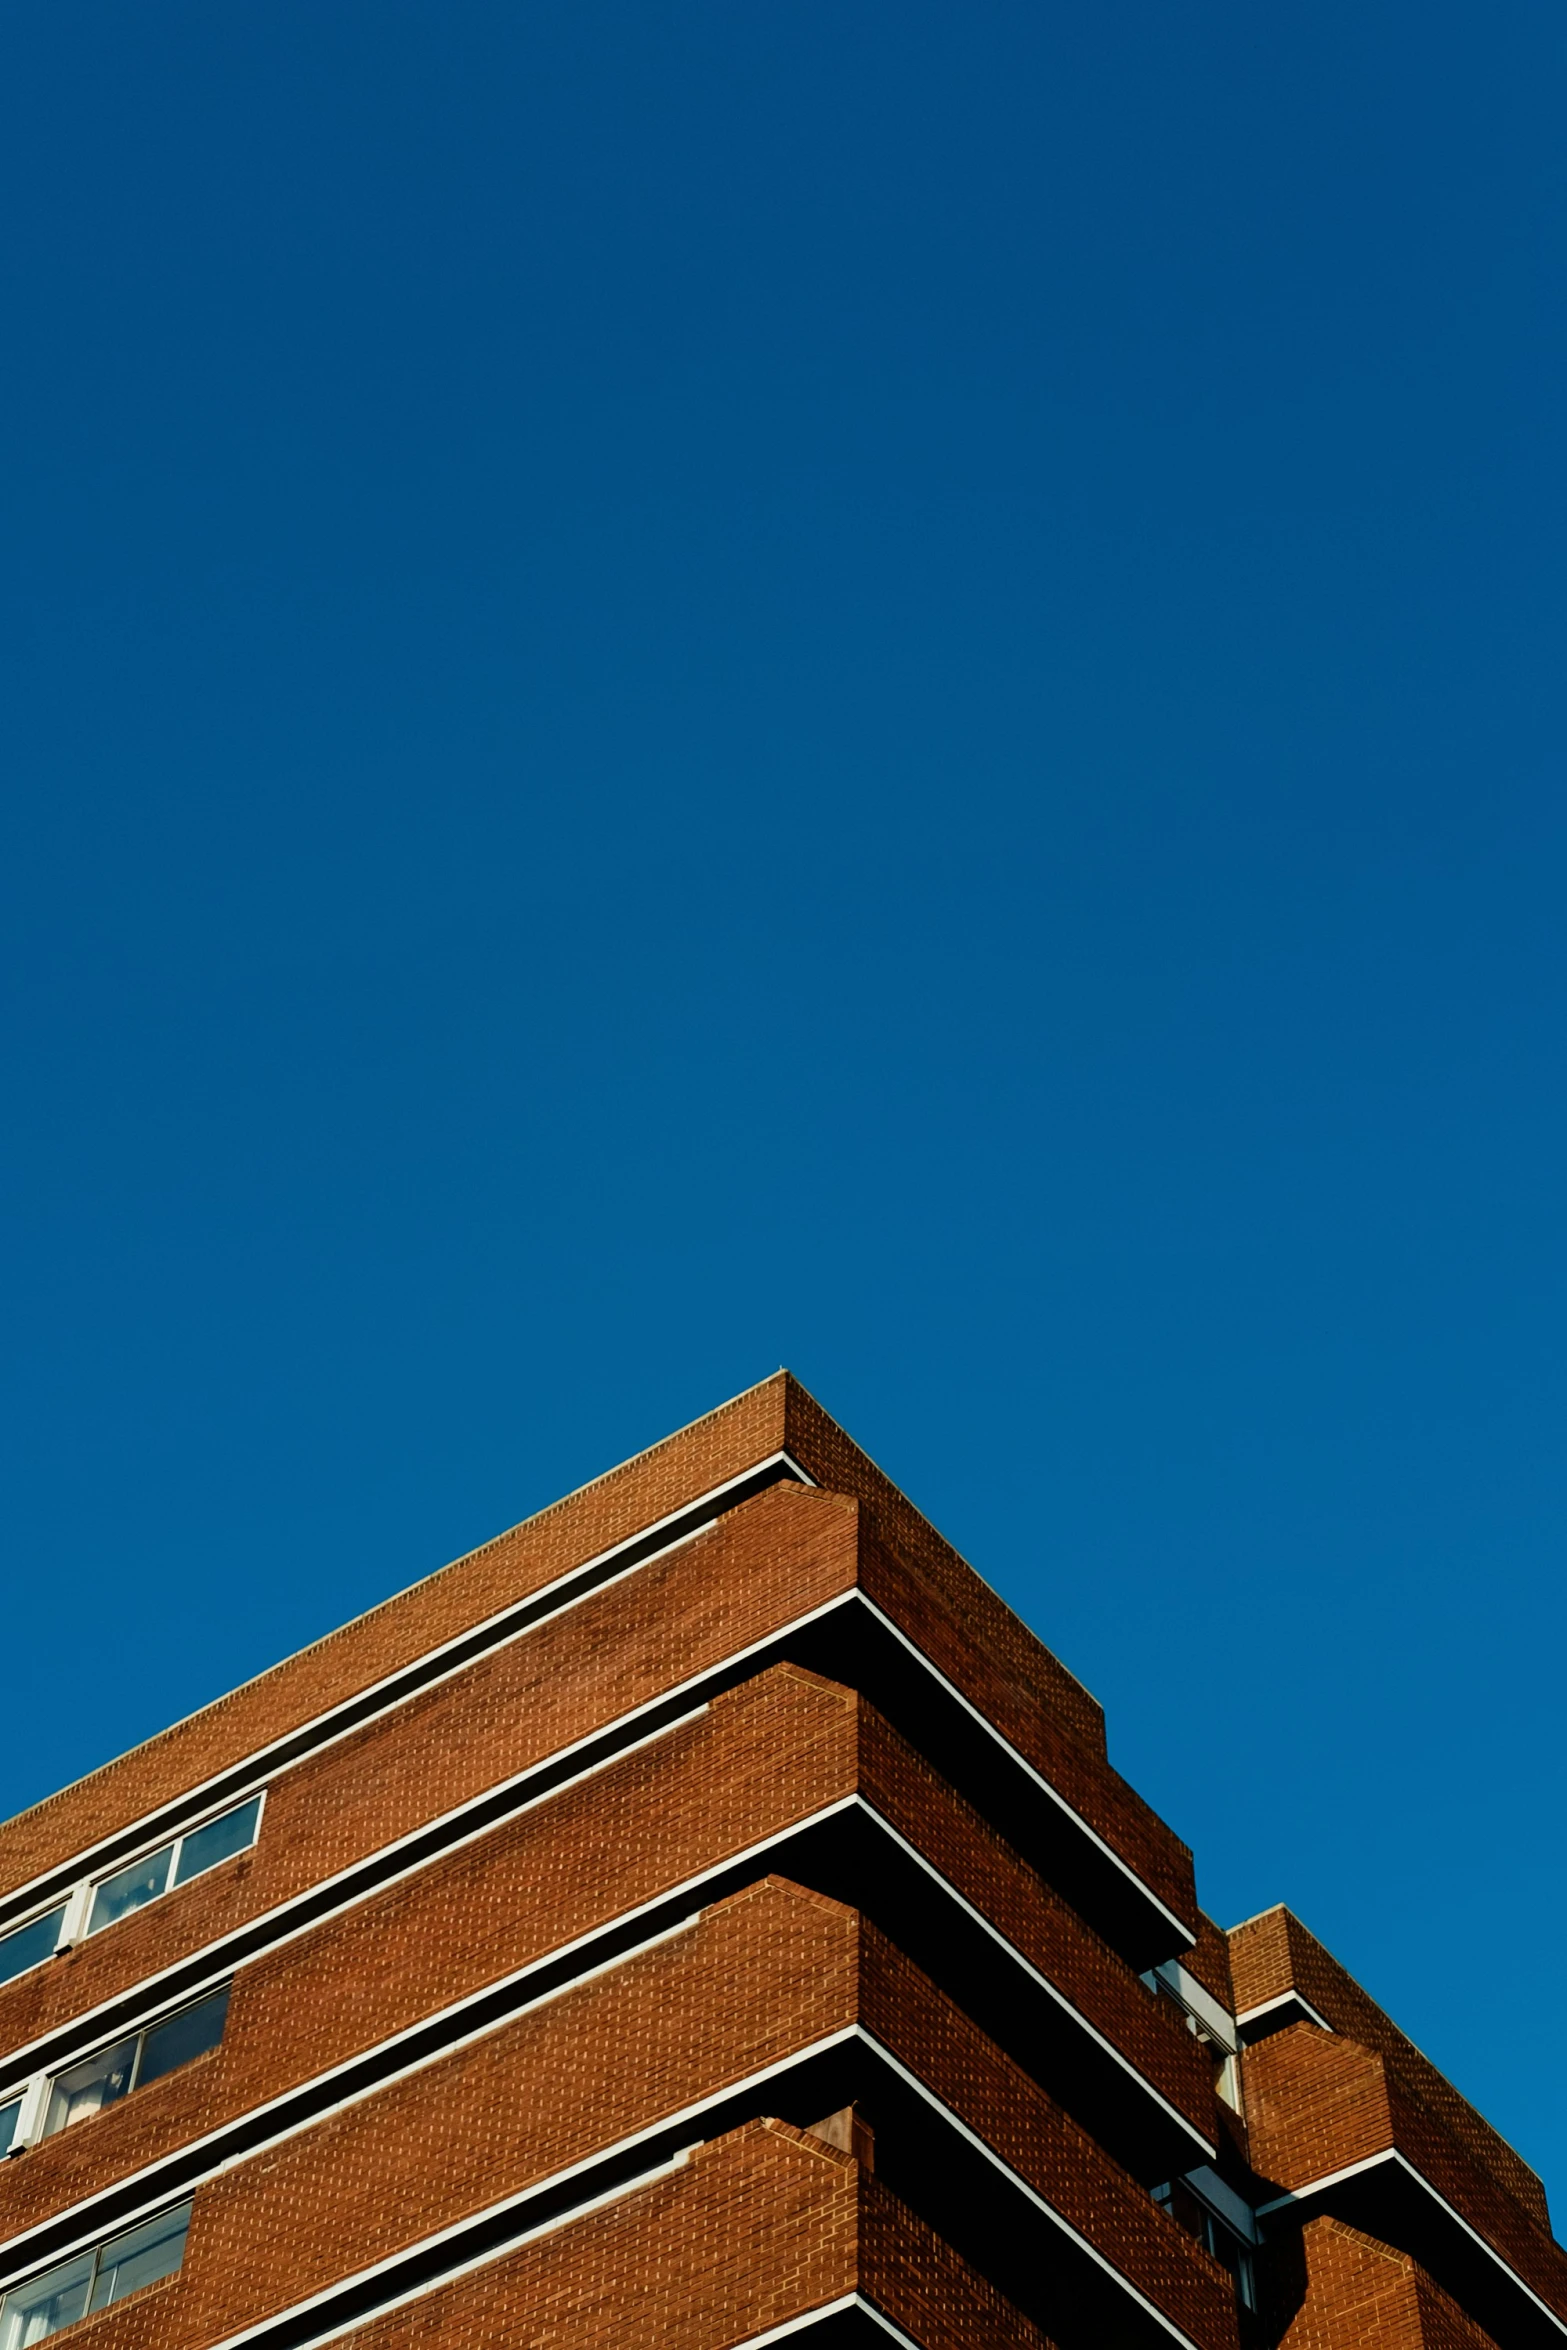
column 140, row 2257
column 185, row 2035
column 143, row 1881
column 88, row 2087
column 29, row 1944
column 34, row 2311
column 10, row 2115
column 218, row 1840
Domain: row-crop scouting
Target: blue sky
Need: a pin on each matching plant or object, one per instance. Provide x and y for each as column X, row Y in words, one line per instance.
column 880, row 688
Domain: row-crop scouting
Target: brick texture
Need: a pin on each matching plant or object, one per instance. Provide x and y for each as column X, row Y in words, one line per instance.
column 1316, row 2101
column 1331, row 2288
column 757, row 1978
column 676, row 2263
column 1275, row 1953
column 775, row 1415
column 762, row 1757
column 755, row 1570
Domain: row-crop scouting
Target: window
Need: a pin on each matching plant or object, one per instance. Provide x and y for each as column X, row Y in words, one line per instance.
column 188, row 1856
column 10, row 2115
column 31, row 2312
column 1222, row 2243
column 29, row 1945
column 1208, row 2021
column 146, row 2056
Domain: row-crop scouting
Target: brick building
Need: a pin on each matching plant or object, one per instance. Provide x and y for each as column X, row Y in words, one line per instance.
column 704, row 1915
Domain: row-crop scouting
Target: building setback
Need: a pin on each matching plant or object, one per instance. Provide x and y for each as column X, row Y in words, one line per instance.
column 705, row 1915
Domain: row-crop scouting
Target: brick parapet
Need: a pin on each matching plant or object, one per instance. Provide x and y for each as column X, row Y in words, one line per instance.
column 759, row 1977
column 1330, row 2287
column 755, row 1570
column 1095, row 1790
column 1045, row 2146
column 1209, row 1961
column 1040, row 1680
column 612, row 1508
column 763, row 1757
column 1317, row 2102
column 771, row 1417
column 1275, row 1953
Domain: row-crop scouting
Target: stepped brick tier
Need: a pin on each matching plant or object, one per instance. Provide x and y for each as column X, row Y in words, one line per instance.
column 704, row 1916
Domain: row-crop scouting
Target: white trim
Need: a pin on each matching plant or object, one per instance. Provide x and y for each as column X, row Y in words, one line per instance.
column 1257, row 1917
column 343, row 2104
column 1329, row 2178
column 798, row 2325
column 1290, row 1998
column 851, row 1597
column 551, row 2179
column 1025, row 1765
column 686, row 1888
column 1042, row 1980
column 913, row 2081
column 1200, row 2003
column 254, row 1762
column 1391, row 2154
column 819, row 2316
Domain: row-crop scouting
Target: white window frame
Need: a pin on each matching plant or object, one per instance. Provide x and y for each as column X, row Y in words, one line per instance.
column 37, row 2092
column 76, row 1926
column 95, row 2252
column 76, row 1906
column 67, row 1908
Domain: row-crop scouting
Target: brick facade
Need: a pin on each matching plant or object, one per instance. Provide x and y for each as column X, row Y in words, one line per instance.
column 597, row 1871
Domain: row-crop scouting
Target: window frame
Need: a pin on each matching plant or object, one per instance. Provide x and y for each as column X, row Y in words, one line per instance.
column 35, row 2095
column 95, row 2253
column 78, row 1926
column 64, row 1908
column 74, row 1908
column 140, row 2036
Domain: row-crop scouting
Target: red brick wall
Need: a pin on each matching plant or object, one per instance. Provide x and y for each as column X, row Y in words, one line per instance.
column 1275, row 1953
column 630, row 1641
column 722, row 1445
column 757, row 1568
column 1332, row 2288
column 760, row 2226
column 757, row 1978
column 952, row 1587
column 769, row 1753
column 677, row 1471
column 1316, row 2102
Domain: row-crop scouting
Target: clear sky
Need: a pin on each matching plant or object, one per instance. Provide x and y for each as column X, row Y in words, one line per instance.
column 879, row 687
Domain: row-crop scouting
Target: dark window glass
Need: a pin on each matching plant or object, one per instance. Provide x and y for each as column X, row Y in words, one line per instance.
column 141, row 2256
column 218, row 1840
column 10, row 2115
column 143, row 1881
column 190, row 2033
column 29, row 1944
